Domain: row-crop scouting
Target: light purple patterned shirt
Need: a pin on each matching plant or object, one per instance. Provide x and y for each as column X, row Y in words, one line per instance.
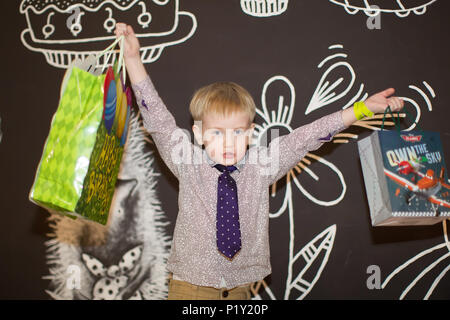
column 194, row 256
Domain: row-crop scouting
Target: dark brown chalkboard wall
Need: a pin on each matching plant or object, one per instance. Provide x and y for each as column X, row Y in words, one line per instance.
column 230, row 44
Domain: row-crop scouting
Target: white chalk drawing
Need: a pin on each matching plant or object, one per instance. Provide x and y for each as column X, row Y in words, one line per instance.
column 369, row 123
column 339, row 79
column 322, row 243
column 110, row 280
column 281, row 116
column 264, row 8
column 65, row 30
column 127, row 258
column 396, row 7
column 443, row 249
column 327, row 93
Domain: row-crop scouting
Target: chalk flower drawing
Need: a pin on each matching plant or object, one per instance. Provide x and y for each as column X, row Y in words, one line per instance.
column 282, row 118
column 318, row 248
column 372, row 9
column 65, row 30
column 264, row 8
column 127, row 258
column 327, row 91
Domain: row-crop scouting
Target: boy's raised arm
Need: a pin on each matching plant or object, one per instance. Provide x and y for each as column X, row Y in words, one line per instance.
column 136, row 70
column 158, row 121
column 289, row 149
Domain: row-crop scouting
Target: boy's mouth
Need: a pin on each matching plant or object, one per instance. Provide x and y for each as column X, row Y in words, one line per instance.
column 228, row 155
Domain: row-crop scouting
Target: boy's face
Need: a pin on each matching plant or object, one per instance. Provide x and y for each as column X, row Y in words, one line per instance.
column 225, row 138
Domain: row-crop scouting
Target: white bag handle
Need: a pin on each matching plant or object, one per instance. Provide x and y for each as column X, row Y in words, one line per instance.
column 121, row 64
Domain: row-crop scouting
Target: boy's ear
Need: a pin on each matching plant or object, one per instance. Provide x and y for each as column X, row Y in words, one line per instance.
column 251, row 128
column 197, row 134
column 250, row 133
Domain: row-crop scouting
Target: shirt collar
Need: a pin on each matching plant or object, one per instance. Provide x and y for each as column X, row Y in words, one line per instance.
column 238, row 165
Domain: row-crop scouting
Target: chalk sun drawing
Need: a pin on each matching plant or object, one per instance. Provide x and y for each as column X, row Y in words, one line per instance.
column 65, row 30
column 125, row 259
column 372, row 9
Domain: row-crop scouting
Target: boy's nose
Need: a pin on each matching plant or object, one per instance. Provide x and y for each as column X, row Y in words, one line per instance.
column 228, row 144
column 228, row 140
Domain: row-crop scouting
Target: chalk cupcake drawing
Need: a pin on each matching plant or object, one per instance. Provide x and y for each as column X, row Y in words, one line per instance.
column 374, row 7
column 338, row 84
column 264, row 8
column 63, row 30
column 127, row 258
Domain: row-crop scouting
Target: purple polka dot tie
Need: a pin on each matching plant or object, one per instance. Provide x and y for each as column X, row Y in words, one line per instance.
column 227, row 219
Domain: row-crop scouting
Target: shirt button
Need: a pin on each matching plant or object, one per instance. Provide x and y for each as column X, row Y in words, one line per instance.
column 225, row 294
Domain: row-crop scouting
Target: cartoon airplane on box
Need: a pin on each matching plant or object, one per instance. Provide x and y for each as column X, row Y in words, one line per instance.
column 426, row 187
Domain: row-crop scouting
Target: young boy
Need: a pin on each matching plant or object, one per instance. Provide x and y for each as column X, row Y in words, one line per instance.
column 221, row 239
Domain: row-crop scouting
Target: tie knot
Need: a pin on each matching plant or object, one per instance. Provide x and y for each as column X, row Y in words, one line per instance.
column 223, row 168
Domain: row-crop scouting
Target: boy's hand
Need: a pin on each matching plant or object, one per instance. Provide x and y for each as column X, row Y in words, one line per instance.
column 131, row 54
column 131, row 43
column 378, row 102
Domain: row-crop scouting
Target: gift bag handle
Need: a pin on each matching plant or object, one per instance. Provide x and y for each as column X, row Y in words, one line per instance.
column 397, row 120
column 121, row 64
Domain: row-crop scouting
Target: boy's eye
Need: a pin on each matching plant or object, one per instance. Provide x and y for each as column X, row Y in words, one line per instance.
column 238, row 131
column 216, row 132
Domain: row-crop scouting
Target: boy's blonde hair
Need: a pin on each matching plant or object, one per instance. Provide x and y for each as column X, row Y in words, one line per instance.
column 222, row 98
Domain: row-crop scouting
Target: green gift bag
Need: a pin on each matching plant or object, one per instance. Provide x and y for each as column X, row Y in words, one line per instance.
column 80, row 162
